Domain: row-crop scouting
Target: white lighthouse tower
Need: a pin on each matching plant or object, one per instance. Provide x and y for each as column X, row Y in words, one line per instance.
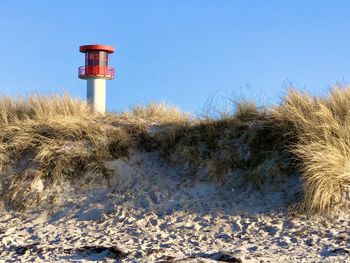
column 96, row 71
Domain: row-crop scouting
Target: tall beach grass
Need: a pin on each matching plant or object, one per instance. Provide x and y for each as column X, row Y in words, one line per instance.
column 47, row 140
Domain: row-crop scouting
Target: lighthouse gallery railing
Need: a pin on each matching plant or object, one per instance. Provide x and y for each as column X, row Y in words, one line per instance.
column 96, row 71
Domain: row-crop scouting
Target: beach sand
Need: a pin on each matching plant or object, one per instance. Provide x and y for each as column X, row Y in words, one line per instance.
column 154, row 211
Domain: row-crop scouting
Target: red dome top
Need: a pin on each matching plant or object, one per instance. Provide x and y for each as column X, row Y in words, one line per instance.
column 96, row 47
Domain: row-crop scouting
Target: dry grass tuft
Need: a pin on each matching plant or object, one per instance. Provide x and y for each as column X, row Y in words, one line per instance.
column 158, row 113
column 246, row 111
column 320, row 131
column 35, row 107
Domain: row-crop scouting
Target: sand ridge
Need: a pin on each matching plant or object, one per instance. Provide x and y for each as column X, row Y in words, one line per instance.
column 151, row 211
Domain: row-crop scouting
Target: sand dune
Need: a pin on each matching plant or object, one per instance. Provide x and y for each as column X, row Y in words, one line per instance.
column 153, row 212
column 157, row 185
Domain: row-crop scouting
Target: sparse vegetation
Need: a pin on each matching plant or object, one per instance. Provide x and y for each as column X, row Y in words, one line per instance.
column 47, row 140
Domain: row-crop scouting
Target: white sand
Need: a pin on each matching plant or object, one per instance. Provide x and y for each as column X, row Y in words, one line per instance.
column 156, row 212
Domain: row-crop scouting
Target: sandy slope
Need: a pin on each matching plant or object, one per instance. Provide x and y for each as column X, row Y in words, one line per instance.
column 154, row 212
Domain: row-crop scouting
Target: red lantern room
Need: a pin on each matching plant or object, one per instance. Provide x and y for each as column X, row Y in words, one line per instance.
column 96, row 62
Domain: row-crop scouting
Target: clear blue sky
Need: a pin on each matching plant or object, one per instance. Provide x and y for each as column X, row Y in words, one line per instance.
column 181, row 51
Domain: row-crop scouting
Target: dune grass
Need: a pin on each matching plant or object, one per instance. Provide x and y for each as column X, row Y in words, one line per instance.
column 157, row 113
column 53, row 139
column 47, row 140
column 321, row 131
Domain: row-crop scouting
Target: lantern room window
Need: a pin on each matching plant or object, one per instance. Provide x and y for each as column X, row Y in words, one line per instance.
column 96, row 58
column 103, row 57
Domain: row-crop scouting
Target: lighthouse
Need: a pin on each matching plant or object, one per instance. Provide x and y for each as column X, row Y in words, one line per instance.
column 96, row 71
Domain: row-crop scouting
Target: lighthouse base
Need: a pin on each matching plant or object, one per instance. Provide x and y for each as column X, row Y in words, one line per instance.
column 96, row 94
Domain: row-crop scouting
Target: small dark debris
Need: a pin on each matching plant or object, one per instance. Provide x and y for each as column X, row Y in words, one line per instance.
column 310, row 242
column 111, row 252
column 329, row 252
column 220, row 256
column 340, row 251
column 167, row 259
column 21, row 250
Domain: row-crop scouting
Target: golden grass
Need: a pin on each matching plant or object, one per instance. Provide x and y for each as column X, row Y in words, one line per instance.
column 47, row 140
column 58, row 138
column 35, row 107
column 321, row 131
column 158, row 113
